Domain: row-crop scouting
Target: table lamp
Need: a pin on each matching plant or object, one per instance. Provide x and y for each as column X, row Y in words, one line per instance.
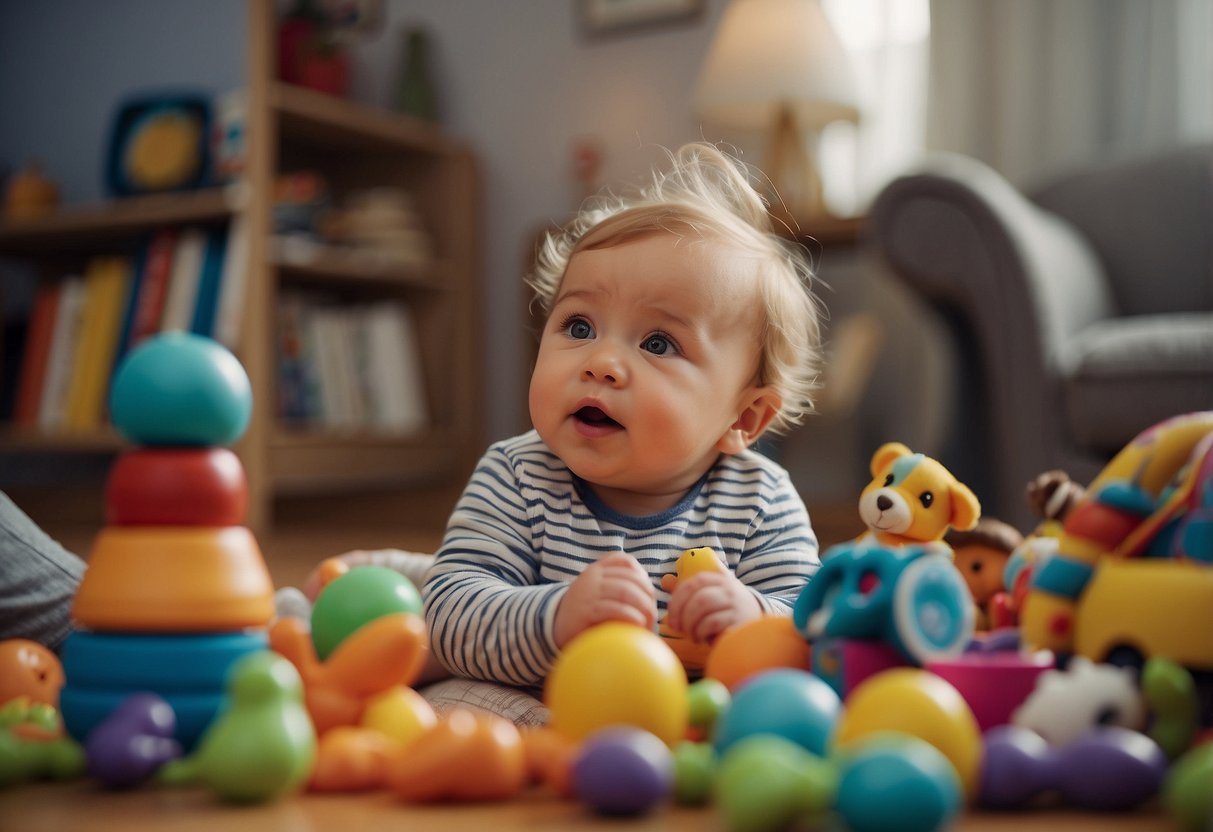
column 778, row 66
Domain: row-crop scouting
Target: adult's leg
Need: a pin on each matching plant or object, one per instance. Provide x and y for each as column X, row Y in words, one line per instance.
column 38, row 579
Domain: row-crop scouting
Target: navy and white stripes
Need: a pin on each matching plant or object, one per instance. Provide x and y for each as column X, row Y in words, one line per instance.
column 525, row 527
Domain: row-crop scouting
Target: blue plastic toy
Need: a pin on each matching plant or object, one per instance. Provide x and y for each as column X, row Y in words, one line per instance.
column 910, row 597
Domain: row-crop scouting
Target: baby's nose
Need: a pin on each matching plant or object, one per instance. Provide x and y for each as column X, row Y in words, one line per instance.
column 604, row 365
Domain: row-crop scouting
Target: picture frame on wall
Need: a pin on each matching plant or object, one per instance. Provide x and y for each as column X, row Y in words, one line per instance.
column 604, row 17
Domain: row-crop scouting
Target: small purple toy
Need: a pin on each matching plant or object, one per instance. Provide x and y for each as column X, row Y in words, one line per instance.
column 1108, row 769
column 133, row 742
column 623, row 771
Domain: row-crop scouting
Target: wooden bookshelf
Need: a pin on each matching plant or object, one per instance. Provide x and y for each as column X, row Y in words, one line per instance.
column 354, row 147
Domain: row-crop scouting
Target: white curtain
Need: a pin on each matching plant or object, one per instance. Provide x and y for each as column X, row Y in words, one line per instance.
column 887, row 41
column 1033, row 87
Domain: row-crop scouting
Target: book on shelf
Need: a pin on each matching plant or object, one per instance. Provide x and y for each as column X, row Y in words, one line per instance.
column 35, row 353
column 349, row 368
column 233, row 284
column 188, row 257
column 396, row 380
column 52, row 402
column 151, row 288
column 106, row 285
column 206, row 298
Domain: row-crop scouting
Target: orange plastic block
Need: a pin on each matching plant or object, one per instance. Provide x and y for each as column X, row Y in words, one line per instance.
column 175, row 579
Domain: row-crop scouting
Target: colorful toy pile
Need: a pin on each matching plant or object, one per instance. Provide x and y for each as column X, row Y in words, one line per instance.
column 176, row 589
column 878, row 705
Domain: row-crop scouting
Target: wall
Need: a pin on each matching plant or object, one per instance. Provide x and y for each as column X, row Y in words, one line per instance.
column 65, row 65
column 521, row 83
column 518, row 80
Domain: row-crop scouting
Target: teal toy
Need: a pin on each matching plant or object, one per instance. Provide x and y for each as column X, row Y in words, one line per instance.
column 23, row 760
column 263, row 745
column 356, row 598
column 787, row 702
column 894, row 783
column 765, row 782
column 189, row 671
column 179, row 389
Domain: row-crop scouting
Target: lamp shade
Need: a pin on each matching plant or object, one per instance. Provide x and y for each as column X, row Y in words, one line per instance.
column 769, row 55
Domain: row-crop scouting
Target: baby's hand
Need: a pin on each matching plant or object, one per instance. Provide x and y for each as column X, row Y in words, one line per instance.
column 615, row 588
column 706, row 605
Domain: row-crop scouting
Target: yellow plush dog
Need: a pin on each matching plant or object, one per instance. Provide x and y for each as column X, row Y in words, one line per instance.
column 913, row 499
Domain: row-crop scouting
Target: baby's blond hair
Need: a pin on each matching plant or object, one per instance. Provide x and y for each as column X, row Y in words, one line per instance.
column 708, row 192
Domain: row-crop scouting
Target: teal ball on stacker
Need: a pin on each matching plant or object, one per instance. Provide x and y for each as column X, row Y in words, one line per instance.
column 179, row 389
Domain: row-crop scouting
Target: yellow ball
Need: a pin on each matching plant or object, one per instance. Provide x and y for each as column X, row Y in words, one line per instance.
column 618, row 674
column 400, row 713
column 921, row 704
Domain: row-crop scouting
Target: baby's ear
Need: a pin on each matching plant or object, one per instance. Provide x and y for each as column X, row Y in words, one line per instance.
column 756, row 415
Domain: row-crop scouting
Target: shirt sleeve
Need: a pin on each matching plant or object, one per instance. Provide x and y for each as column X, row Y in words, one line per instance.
column 781, row 554
column 489, row 614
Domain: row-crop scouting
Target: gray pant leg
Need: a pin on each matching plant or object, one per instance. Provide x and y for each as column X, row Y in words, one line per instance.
column 38, row 579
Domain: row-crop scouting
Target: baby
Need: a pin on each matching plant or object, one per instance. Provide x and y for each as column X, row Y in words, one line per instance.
column 679, row 330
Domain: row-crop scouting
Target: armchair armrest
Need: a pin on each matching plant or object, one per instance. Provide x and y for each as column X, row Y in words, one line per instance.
column 1024, row 279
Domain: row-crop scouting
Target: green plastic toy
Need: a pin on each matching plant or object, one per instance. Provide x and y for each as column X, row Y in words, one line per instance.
column 1186, row 792
column 22, row 760
column 765, row 783
column 263, row 745
column 1174, row 704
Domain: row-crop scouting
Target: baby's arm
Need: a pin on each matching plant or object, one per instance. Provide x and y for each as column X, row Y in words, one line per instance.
column 488, row 612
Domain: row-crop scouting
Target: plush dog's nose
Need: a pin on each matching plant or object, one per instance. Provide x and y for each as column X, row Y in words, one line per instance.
column 883, row 502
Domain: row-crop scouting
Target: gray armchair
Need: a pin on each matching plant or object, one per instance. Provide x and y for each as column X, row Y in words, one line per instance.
column 1082, row 312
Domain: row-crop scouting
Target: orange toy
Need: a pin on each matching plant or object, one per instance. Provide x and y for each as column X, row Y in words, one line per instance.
column 172, row 579
column 352, row 759
column 28, row 669
column 466, row 756
column 762, row 644
column 549, row 759
column 912, row 498
column 382, row 654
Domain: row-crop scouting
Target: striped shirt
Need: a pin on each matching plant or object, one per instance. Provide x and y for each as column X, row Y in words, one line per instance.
column 526, row 526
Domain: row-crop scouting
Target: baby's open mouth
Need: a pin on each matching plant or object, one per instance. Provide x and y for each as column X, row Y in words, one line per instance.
column 595, row 416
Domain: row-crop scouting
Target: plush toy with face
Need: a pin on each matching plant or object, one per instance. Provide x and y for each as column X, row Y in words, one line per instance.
column 913, row 499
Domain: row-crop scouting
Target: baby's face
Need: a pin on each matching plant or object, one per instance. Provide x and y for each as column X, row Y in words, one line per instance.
column 648, row 358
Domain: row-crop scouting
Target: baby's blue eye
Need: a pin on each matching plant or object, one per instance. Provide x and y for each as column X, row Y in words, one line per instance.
column 579, row 329
column 657, row 344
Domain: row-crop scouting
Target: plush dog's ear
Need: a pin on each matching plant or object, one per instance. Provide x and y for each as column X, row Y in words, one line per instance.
column 886, row 453
column 966, row 510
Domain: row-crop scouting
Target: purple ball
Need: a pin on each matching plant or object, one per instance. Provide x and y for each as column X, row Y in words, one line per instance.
column 623, row 771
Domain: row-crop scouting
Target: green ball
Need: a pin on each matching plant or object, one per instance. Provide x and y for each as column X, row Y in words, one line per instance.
column 707, row 699
column 765, row 782
column 1186, row 792
column 356, row 598
column 694, row 770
